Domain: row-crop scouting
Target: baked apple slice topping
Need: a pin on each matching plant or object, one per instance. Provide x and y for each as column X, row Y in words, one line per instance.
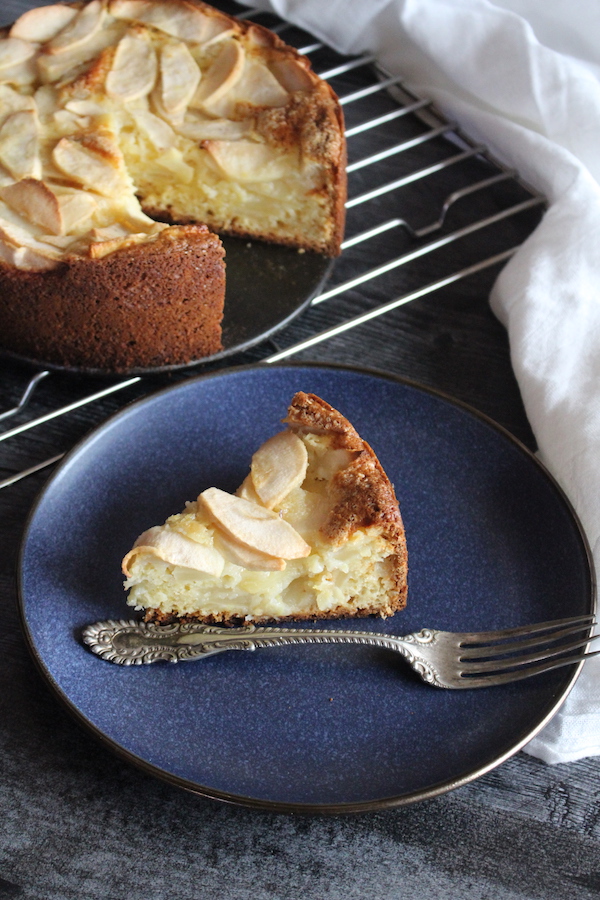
column 12, row 101
column 134, row 70
column 14, row 51
column 252, row 525
column 180, row 77
column 259, row 87
column 175, row 17
column 43, row 23
column 177, row 550
column 34, row 200
column 248, row 160
column 159, row 133
column 21, row 249
column 76, row 210
column 292, row 75
column 79, row 30
column 246, row 557
column 278, row 466
column 88, row 167
column 19, row 145
column 221, row 76
column 199, row 128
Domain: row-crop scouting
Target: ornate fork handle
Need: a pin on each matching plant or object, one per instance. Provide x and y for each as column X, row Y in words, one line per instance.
column 131, row 643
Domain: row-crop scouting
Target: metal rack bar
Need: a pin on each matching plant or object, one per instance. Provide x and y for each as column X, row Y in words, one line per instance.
column 26, row 396
column 389, row 117
column 393, row 304
column 414, row 176
column 422, row 251
column 63, row 410
column 374, row 89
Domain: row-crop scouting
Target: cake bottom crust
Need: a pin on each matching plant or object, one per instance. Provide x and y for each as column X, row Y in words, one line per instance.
column 338, row 612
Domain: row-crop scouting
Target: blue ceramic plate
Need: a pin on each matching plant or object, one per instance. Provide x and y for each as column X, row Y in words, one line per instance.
column 492, row 543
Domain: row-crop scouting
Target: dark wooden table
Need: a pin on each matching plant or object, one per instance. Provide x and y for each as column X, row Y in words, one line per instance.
column 77, row 822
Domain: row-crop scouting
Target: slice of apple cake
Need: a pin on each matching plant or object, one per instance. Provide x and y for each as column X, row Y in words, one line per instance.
column 313, row 532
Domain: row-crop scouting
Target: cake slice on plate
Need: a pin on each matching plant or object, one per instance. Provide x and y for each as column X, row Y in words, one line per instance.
column 313, row 532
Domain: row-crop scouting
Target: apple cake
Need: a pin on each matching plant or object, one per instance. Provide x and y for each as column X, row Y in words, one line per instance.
column 126, row 126
column 313, row 532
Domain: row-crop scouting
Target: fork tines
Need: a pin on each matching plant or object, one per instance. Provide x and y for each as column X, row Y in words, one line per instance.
column 497, row 651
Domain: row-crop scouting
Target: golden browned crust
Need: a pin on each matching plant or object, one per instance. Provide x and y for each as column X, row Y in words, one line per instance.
column 339, row 612
column 362, row 495
column 151, row 304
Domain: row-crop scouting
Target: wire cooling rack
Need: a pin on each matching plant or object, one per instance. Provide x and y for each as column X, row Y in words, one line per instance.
column 428, row 207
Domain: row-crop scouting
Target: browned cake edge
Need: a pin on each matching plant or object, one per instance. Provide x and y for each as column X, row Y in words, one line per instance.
column 362, row 494
column 142, row 306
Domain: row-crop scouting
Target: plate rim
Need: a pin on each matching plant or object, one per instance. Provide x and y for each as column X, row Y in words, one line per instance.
column 293, row 807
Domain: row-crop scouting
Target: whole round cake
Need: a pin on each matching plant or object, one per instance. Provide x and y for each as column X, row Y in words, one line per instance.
column 132, row 133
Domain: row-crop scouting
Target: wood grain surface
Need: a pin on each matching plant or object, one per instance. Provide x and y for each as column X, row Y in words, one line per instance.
column 76, row 822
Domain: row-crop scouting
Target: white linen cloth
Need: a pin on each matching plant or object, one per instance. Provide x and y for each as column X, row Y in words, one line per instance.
column 524, row 78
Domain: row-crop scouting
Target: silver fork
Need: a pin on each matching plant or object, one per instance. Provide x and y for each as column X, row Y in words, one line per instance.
column 441, row 658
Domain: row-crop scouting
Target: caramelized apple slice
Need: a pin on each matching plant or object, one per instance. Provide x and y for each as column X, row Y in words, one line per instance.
column 19, row 145
column 246, row 490
column 100, row 249
column 180, row 77
column 16, row 236
column 88, row 168
column 14, row 51
column 134, row 69
column 85, row 108
column 25, row 258
column 259, row 86
column 21, row 75
column 53, row 66
column 75, row 210
column 80, row 29
column 68, row 122
column 253, row 525
column 293, row 75
column 249, row 161
column 43, row 23
column 34, row 200
column 176, row 549
column 221, row 76
column 278, row 467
